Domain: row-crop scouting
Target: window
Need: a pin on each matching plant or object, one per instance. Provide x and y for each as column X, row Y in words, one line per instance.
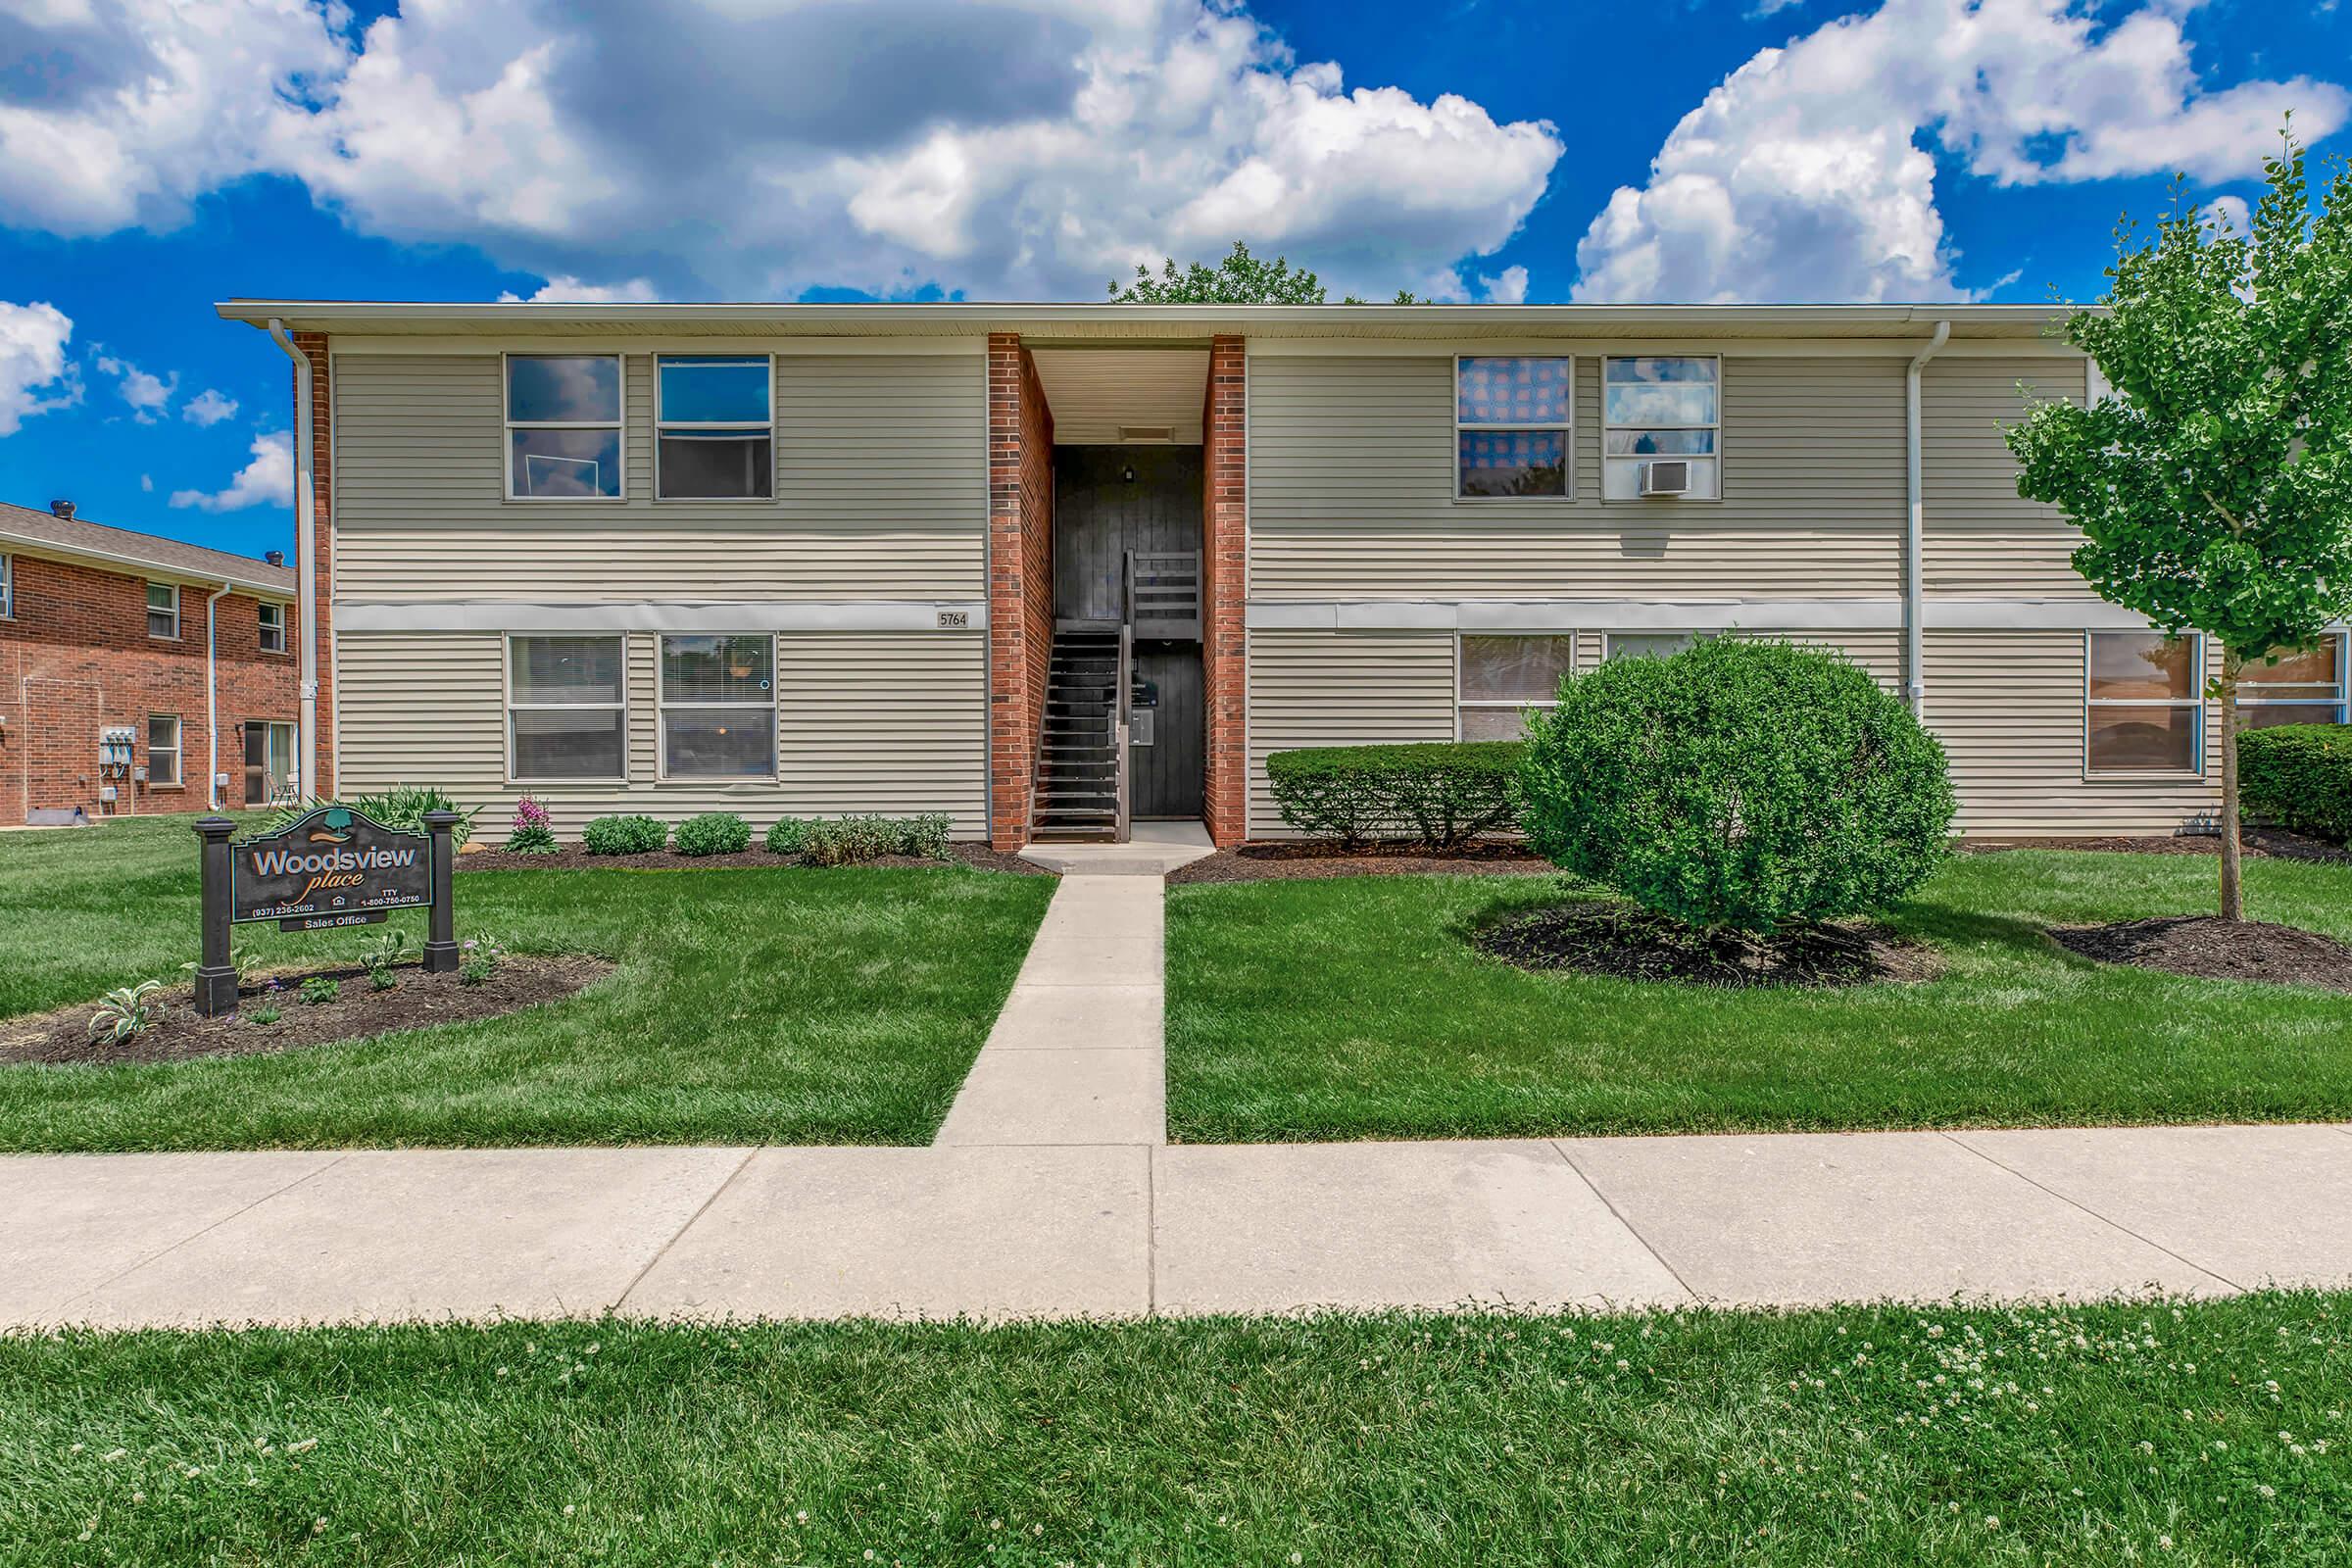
column 163, row 748
column 564, row 427
column 8, row 588
column 567, row 709
column 1513, row 427
column 1648, row 644
column 163, row 610
column 274, row 627
column 1501, row 677
column 1659, row 408
column 719, row 707
column 2306, row 686
column 716, row 439
column 2144, row 708
column 268, row 762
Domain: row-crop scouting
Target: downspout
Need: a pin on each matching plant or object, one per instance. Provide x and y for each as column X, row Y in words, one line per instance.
column 1915, row 533
column 306, row 555
column 211, row 698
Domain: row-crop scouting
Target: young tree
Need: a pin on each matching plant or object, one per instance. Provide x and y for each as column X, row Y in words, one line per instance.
column 2213, row 484
column 1240, row 278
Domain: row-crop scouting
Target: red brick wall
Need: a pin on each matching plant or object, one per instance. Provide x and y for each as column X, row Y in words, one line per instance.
column 1226, row 544
column 1019, row 570
column 314, row 344
column 1037, row 541
column 77, row 658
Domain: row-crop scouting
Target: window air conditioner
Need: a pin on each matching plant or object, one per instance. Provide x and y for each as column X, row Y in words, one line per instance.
column 1661, row 478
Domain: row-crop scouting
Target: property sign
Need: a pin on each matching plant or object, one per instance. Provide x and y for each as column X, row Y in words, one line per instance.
column 330, row 866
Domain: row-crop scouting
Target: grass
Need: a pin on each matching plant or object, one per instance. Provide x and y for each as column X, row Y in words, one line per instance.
column 2199, row 1433
column 1355, row 1008
column 749, row 1005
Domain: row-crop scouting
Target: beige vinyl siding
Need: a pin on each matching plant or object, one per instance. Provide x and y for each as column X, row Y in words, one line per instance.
column 1352, row 481
column 1323, row 687
column 881, row 491
column 1983, row 540
column 2008, row 706
column 894, row 722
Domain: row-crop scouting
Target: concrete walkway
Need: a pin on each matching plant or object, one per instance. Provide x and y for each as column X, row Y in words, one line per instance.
column 1124, row 1229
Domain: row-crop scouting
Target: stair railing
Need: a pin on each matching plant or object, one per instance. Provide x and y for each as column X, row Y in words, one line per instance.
column 1120, row 718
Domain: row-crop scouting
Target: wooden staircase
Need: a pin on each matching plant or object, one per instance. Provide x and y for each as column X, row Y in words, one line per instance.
column 1078, row 753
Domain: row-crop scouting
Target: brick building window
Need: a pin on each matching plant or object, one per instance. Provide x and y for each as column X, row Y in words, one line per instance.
column 274, row 629
column 163, row 748
column 162, row 610
column 8, row 589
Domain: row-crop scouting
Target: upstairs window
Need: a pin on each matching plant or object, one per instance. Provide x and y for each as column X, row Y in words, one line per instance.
column 1514, row 428
column 2306, row 686
column 2144, row 711
column 716, row 436
column 567, row 709
column 1502, row 677
column 564, row 427
column 8, row 588
column 162, row 610
column 1664, row 410
column 272, row 620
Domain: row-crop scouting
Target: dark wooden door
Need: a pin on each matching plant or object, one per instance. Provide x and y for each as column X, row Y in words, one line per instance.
column 1165, row 777
column 1100, row 513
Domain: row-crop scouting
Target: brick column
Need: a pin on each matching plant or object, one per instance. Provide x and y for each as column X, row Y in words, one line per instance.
column 1019, row 582
column 314, row 344
column 1225, row 650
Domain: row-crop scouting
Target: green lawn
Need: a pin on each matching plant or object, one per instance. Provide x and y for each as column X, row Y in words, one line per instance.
column 1355, row 1008
column 2206, row 1433
column 798, row 1006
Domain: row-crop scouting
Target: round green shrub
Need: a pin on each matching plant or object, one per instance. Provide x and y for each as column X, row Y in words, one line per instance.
column 1739, row 783
column 788, row 835
column 712, row 833
column 624, row 835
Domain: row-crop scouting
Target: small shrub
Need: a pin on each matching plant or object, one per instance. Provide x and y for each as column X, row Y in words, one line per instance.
column 624, row 835
column 2299, row 776
column 712, row 833
column 1442, row 792
column 267, row 1013
column 479, row 959
column 849, row 840
column 381, row 955
column 320, row 990
column 532, row 832
column 127, row 1011
column 1739, row 783
column 925, row 835
column 789, row 835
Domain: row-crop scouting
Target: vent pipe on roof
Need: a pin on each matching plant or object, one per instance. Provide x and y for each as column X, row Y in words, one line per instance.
column 62, row 510
column 273, row 557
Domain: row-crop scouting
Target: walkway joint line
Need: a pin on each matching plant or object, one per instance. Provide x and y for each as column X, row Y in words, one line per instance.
column 2086, row 1209
column 701, row 1210
column 162, row 1253
column 1560, row 1148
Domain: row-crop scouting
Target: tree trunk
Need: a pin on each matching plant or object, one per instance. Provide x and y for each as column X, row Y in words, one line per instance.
column 2233, row 901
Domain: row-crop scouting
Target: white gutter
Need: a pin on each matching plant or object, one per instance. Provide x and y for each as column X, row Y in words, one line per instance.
column 1915, row 532
column 306, row 554
column 211, row 696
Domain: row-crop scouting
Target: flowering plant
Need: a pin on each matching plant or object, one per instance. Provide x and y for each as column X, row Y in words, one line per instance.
column 533, row 831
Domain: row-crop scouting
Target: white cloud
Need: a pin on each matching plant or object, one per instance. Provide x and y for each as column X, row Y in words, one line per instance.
column 147, row 483
column 1508, row 287
column 148, row 395
column 1804, row 176
column 209, row 408
column 1006, row 148
column 35, row 376
column 571, row 290
column 266, row 480
column 2229, row 212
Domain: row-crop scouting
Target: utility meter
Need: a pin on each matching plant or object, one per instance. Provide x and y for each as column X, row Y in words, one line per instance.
column 114, row 749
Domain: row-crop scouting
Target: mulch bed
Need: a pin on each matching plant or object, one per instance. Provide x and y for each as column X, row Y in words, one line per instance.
column 419, row 1000
column 2210, row 948
column 2255, row 843
column 1286, row 859
column 571, row 857
column 1624, row 943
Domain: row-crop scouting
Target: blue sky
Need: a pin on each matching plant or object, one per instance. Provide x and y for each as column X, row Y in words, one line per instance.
column 157, row 155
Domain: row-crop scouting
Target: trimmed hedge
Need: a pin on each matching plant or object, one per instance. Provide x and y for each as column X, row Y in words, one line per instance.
column 2299, row 776
column 1442, row 792
column 712, row 833
column 624, row 835
column 849, row 840
column 1745, row 784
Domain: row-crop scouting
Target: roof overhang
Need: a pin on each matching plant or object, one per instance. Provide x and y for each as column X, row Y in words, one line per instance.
column 15, row 543
column 1157, row 323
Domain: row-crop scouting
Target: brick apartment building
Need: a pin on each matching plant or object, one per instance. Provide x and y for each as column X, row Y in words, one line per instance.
column 140, row 674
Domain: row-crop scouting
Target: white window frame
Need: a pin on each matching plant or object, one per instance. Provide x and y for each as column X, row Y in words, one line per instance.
column 2195, row 701
column 175, row 751
column 1566, row 427
column 153, row 610
column 720, row 427
column 1606, row 425
column 263, row 628
column 663, row 704
column 1515, row 705
column 2343, row 679
column 508, row 704
column 1609, row 640
column 7, row 587
column 619, row 425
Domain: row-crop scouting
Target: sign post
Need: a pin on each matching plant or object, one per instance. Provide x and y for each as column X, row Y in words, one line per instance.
column 327, row 869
